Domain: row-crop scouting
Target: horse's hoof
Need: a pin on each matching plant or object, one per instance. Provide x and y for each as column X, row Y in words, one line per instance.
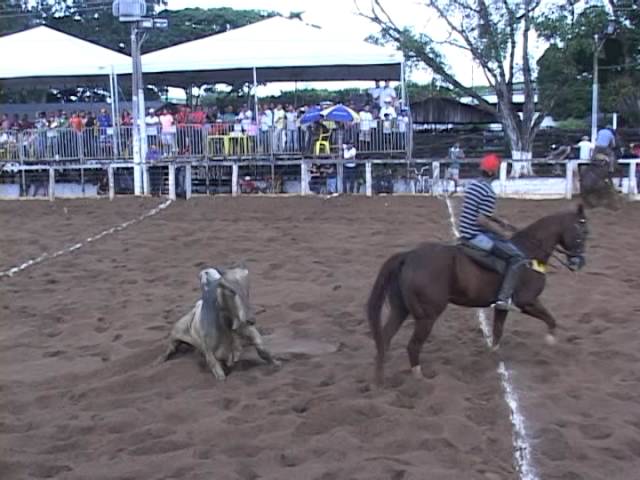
column 417, row 372
column 550, row 339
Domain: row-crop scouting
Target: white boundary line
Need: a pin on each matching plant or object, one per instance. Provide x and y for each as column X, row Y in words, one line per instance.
column 47, row 256
column 521, row 447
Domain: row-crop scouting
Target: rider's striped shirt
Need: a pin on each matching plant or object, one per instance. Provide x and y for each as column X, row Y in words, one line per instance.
column 479, row 199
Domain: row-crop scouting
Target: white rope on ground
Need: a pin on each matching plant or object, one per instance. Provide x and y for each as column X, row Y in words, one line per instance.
column 521, row 447
column 48, row 256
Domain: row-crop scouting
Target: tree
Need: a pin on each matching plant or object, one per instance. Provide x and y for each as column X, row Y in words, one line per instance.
column 497, row 35
column 17, row 15
column 566, row 68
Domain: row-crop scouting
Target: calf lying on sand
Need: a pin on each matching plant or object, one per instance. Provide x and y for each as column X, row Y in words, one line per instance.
column 219, row 320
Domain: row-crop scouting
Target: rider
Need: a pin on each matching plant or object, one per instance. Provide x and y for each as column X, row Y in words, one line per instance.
column 605, row 145
column 482, row 229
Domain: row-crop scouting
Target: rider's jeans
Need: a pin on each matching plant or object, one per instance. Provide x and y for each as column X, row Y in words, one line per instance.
column 482, row 241
column 501, row 248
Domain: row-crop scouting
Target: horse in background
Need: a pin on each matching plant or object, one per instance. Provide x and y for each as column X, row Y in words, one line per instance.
column 424, row 280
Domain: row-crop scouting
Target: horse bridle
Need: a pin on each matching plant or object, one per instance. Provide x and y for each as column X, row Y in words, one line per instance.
column 574, row 258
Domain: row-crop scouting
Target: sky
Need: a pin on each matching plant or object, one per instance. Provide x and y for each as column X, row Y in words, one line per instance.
column 342, row 16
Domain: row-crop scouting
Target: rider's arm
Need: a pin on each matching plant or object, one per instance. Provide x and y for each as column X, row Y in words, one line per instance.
column 494, row 224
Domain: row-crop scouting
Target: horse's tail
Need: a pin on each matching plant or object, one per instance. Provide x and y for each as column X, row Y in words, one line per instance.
column 382, row 287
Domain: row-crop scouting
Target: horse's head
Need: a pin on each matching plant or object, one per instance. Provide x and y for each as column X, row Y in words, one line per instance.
column 573, row 238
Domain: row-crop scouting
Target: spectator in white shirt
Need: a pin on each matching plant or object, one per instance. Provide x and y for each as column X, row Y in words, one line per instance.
column 376, row 92
column 266, row 122
column 292, row 129
column 585, row 148
column 366, row 120
column 388, row 109
column 279, row 132
column 387, row 92
column 349, row 170
column 152, row 124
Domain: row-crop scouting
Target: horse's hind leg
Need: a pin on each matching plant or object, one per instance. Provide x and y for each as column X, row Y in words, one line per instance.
column 537, row 310
column 397, row 315
column 421, row 331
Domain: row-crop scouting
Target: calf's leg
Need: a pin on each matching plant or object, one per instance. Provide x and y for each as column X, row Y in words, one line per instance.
column 251, row 333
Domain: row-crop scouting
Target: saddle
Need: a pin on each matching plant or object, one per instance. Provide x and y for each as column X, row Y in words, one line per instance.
column 483, row 258
column 493, row 263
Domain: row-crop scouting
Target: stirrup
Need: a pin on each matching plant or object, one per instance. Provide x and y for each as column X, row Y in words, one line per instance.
column 504, row 306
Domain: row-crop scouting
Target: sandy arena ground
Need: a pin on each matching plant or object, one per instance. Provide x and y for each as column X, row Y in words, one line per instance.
column 80, row 397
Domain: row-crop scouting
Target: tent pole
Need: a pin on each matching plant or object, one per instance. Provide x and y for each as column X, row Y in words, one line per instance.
column 255, row 95
column 114, row 118
column 137, row 170
column 403, row 88
column 116, row 95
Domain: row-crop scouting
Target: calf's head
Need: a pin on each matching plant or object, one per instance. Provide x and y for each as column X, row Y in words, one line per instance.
column 233, row 296
column 209, row 281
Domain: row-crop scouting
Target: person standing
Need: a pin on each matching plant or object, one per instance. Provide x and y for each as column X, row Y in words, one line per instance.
column 349, row 168
column 585, row 148
column 456, row 155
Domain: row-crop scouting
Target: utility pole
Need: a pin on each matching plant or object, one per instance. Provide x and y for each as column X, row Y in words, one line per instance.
column 598, row 43
column 133, row 11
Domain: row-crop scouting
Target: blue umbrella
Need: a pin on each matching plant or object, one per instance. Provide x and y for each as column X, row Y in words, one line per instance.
column 311, row 115
column 340, row 113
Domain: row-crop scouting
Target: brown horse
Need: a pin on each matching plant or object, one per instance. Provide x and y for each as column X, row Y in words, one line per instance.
column 596, row 185
column 423, row 281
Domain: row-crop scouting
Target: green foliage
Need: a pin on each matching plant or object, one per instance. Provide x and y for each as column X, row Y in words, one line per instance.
column 573, row 124
column 566, row 69
column 97, row 24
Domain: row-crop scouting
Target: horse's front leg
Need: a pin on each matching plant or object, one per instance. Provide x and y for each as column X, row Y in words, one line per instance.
column 537, row 310
column 499, row 317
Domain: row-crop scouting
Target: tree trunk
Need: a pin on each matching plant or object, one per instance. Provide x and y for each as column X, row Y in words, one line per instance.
column 519, row 140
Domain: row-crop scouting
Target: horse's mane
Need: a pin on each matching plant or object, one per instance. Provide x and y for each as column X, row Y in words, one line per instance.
column 542, row 224
column 540, row 230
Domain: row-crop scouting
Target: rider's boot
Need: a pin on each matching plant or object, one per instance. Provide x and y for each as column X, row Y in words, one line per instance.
column 504, row 301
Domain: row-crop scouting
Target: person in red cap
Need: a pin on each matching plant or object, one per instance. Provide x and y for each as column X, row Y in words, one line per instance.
column 482, row 229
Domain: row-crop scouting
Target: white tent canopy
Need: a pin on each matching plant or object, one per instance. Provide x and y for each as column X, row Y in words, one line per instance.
column 279, row 49
column 47, row 57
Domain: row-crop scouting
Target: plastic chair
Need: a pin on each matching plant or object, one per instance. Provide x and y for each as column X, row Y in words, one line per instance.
column 323, row 143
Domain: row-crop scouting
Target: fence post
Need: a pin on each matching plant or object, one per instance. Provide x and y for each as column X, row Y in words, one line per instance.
column 111, row 180
column 52, row 183
column 435, row 177
column 503, row 177
column 368, row 179
column 633, row 180
column 340, row 176
column 568, row 188
column 146, row 182
column 304, row 177
column 187, row 181
column 172, row 181
column 234, row 179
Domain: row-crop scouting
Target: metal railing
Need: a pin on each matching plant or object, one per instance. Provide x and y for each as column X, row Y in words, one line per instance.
column 211, row 141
